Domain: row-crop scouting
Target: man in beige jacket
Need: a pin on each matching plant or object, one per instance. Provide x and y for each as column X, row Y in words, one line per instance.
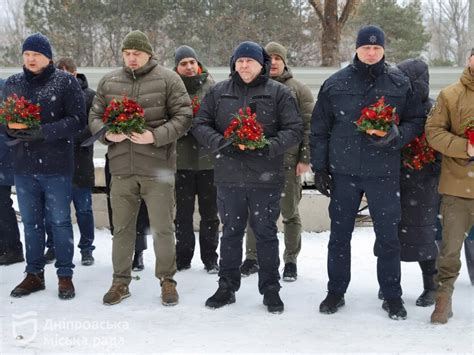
column 445, row 128
column 143, row 165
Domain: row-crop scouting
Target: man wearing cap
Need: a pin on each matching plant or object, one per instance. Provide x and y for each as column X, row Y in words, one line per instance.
column 348, row 163
column 195, row 175
column 44, row 163
column 143, row 165
column 249, row 182
column 296, row 162
column 445, row 132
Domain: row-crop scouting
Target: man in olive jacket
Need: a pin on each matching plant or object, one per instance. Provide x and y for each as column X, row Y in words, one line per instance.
column 143, row 165
column 195, row 175
column 249, row 182
column 445, row 127
column 296, row 163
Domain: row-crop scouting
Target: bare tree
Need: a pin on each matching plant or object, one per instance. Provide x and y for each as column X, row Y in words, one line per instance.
column 14, row 31
column 471, row 25
column 332, row 25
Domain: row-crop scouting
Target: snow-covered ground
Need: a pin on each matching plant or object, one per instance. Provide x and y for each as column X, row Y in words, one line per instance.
column 41, row 323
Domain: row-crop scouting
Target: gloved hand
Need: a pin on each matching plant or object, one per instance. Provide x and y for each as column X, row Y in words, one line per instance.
column 323, row 182
column 26, row 135
column 264, row 152
column 390, row 139
column 227, row 151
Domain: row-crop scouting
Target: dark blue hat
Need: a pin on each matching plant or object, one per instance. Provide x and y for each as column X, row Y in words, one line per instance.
column 184, row 52
column 38, row 43
column 248, row 49
column 370, row 35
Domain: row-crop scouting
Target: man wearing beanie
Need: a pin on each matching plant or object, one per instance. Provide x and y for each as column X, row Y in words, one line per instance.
column 143, row 165
column 44, row 163
column 249, row 181
column 348, row 163
column 445, row 132
column 296, row 162
column 195, row 175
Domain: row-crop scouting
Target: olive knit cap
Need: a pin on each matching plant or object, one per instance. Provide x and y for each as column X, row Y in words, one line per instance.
column 274, row 48
column 137, row 40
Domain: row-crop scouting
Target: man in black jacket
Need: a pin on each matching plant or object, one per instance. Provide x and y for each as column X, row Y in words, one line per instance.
column 349, row 163
column 83, row 179
column 249, row 182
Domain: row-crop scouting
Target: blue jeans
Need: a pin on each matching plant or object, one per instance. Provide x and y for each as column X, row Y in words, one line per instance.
column 40, row 198
column 82, row 200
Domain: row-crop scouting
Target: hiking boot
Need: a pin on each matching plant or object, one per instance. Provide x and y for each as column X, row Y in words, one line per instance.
column 289, row 272
column 332, row 303
column 443, row 309
column 12, row 257
column 49, row 256
column 427, row 298
column 137, row 264
column 65, row 288
column 31, row 283
column 395, row 308
column 272, row 300
column 223, row 296
column 169, row 295
column 180, row 267
column 248, row 267
column 212, row 268
column 118, row 291
column 86, row 258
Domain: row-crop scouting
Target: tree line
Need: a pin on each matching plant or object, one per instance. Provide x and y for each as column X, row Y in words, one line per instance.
column 317, row 32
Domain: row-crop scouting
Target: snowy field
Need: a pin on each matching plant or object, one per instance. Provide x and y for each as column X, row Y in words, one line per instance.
column 41, row 323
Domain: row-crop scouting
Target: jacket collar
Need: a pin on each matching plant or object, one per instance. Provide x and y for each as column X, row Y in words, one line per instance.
column 194, row 83
column 286, row 75
column 467, row 79
column 41, row 77
column 142, row 70
column 369, row 70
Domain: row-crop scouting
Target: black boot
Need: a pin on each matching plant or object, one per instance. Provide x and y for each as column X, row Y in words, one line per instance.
column 427, row 298
column 272, row 300
column 332, row 303
column 138, row 261
column 395, row 309
column 223, row 296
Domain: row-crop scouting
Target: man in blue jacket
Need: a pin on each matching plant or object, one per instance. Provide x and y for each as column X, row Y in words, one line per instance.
column 349, row 163
column 249, row 182
column 44, row 163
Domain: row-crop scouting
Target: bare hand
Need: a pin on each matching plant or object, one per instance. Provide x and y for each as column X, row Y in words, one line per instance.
column 146, row 137
column 302, row 168
column 115, row 137
column 470, row 149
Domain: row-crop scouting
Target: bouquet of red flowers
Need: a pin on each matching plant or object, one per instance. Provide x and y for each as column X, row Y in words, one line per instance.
column 19, row 113
column 245, row 132
column 195, row 104
column 124, row 116
column 469, row 131
column 417, row 154
column 377, row 118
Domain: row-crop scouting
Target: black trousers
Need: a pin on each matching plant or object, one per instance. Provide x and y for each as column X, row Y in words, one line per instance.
column 190, row 183
column 261, row 207
column 383, row 197
column 9, row 233
column 143, row 224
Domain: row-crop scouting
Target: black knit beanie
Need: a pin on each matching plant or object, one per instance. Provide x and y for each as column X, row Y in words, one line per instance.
column 370, row 35
column 248, row 49
column 184, row 52
column 38, row 43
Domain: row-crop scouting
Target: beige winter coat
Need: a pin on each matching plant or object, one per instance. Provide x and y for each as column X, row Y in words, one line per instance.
column 445, row 133
column 168, row 115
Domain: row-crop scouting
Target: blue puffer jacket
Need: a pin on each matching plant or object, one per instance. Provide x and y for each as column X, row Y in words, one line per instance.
column 336, row 144
column 63, row 116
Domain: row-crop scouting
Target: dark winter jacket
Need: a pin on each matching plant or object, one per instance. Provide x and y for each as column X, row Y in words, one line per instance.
column 418, row 188
column 63, row 115
column 305, row 100
column 336, row 144
column 190, row 154
column 276, row 110
column 6, row 154
column 84, row 174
